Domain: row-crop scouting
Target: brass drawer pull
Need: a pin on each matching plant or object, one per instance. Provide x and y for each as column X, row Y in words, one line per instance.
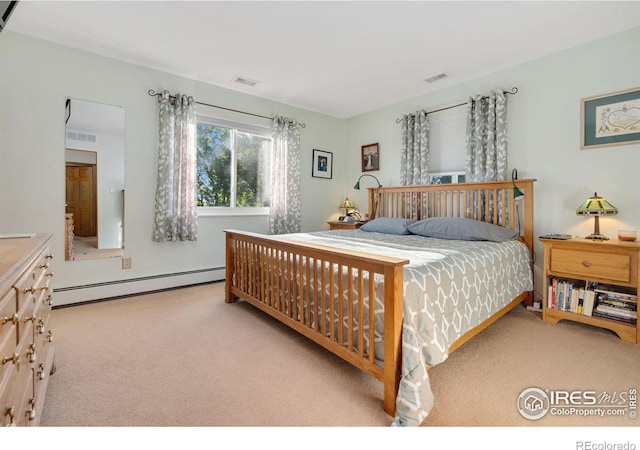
column 13, row 358
column 40, row 326
column 50, row 336
column 11, row 412
column 32, row 318
column 32, row 352
column 13, row 319
column 31, row 289
column 41, row 371
column 50, row 274
column 31, row 412
column 586, row 263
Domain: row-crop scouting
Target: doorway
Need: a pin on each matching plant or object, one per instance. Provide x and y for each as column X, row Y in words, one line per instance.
column 81, row 198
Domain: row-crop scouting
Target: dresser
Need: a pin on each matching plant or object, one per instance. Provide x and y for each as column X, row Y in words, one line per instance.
column 26, row 349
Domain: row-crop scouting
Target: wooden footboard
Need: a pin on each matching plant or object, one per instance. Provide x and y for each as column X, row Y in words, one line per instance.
column 306, row 287
column 322, row 292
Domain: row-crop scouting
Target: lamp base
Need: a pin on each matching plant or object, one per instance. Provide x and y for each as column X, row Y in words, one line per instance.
column 597, row 237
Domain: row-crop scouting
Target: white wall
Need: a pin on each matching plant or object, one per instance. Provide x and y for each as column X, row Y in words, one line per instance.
column 544, row 133
column 35, row 79
column 544, row 143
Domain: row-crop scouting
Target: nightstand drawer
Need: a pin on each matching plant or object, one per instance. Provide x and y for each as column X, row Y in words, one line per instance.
column 593, row 265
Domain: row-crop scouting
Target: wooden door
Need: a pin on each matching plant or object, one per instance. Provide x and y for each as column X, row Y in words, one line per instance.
column 81, row 199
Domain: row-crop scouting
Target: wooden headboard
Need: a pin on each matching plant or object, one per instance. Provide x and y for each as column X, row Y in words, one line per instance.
column 488, row 201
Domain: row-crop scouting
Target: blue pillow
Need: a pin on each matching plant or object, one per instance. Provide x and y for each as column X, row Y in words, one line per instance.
column 463, row 229
column 388, row 225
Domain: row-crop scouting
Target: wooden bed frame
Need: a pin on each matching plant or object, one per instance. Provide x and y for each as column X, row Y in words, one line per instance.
column 276, row 275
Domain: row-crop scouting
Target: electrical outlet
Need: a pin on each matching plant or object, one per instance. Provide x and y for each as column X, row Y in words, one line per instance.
column 126, row 262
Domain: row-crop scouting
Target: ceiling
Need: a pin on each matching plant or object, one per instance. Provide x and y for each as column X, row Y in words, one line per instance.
column 338, row 58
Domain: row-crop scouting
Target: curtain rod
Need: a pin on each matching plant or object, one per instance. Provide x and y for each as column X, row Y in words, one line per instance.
column 153, row 93
column 513, row 91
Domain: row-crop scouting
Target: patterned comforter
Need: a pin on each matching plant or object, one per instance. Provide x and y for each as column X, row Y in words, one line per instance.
column 450, row 287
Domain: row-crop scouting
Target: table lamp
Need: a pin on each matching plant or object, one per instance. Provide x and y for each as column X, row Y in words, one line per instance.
column 596, row 206
column 375, row 203
column 347, row 205
column 517, row 193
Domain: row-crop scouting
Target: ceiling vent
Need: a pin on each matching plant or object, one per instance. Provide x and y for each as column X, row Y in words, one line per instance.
column 440, row 76
column 245, row 81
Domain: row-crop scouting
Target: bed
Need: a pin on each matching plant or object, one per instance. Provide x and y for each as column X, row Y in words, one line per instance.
column 390, row 301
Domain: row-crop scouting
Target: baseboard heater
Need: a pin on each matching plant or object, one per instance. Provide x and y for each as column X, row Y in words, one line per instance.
column 134, row 286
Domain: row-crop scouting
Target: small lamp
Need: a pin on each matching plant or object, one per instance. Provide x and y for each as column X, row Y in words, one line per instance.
column 596, row 206
column 375, row 203
column 347, row 205
column 517, row 193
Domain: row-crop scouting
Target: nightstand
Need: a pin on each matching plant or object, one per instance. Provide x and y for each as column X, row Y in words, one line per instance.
column 576, row 263
column 335, row 225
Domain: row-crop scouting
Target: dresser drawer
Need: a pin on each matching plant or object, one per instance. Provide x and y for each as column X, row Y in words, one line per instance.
column 34, row 281
column 594, row 265
column 8, row 332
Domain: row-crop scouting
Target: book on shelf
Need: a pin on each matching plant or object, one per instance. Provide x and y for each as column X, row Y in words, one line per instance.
column 599, row 312
column 628, row 313
column 614, row 295
column 589, row 299
column 618, row 304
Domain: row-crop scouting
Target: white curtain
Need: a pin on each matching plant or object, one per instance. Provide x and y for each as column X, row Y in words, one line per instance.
column 414, row 156
column 486, row 137
column 176, row 212
column 284, row 216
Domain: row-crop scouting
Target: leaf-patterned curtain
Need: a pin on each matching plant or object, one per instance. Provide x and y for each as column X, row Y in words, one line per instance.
column 486, row 137
column 284, row 210
column 486, row 143
column 414, row 156
column 176, row 212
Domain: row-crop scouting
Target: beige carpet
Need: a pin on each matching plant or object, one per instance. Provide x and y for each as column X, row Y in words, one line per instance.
column 185, row 358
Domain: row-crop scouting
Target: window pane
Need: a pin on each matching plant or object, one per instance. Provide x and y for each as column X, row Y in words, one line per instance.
column 214, row 165
column 253, row 170
column 440, row 179
column 447, row 141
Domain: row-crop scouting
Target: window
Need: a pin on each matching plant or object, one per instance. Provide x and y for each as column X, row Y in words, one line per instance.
column 446, row 177
column 234, row 166
column 447, row 146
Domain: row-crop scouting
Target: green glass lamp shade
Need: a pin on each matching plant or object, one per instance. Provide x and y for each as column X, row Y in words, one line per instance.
column 517, row 193
column 596, row 206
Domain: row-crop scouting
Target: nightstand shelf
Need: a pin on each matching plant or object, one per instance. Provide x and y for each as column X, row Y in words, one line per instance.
column 336, row 225
column 613, row 263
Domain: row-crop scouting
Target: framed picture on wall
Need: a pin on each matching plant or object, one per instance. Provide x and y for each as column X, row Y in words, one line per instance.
column 610, row 119
column 322, row 164
column 370, row 157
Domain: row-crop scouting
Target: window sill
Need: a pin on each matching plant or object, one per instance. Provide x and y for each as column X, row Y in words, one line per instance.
column 223, row 211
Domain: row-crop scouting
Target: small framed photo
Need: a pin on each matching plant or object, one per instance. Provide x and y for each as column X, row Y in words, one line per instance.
column 322, row 164
column 610, row 119
column 370, row 157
